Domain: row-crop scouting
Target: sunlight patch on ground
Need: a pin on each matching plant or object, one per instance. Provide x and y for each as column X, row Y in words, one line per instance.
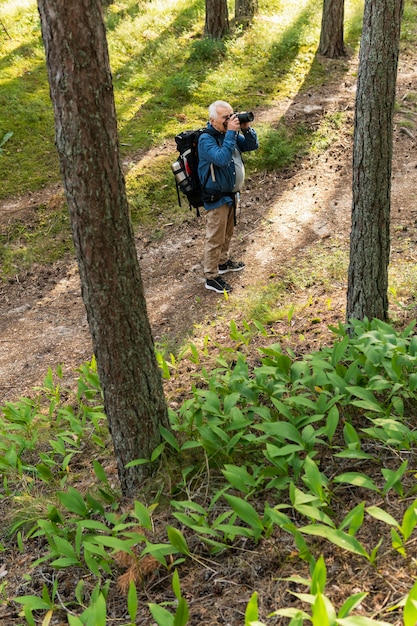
column 13, row 6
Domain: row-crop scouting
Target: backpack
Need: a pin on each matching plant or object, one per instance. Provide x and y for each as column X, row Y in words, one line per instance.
column 185, row 168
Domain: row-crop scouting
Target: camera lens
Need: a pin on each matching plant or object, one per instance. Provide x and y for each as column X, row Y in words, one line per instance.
column 245, row 117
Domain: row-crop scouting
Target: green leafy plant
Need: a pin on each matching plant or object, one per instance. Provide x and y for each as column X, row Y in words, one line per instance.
column 162, row 616
column 4, row 139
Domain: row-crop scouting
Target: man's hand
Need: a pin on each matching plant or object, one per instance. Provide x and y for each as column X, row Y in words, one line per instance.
column 233, row 123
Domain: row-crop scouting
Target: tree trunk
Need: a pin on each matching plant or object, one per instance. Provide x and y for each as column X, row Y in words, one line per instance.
column 245, row 10
column 217, row 19
column 372, row 161
column 86, row 137
column 331, row 36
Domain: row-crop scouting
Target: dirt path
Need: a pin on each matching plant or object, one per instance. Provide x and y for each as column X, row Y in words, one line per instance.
column 42, row 316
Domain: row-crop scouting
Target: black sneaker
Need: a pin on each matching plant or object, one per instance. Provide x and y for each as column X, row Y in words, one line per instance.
column 218, row 284
column 231, row 266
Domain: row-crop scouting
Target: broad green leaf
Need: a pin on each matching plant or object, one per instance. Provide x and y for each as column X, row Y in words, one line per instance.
column 33, row 602
column 323, row 612
column 357, row 479
column 303, row 402
column 332, row 422
column 142, row 515
column 182, row 613
column 176, row 585
column 409, row 520
column 353, row 453
column 251, row 613
column 245, row 511
column 5, row 138
column 383, row 516
column 74, row 621
column 157, row 452
column 137, row 462
column 339, row 350
column 338, row 537
column 318, row 578
column 350, row 435
column 44, row 472
column 65, row 548
column 73, row 501
column 367, row 399
column 293, row 614
column 99, row 472
column 278, row 518
column 354, row 519
column 239, row 477
column 93, row 525
column 65, row 561
column 132, row 601
column 188, row 505
column 351, row 603
column 397, row 542
column 410, row 607
column 232, row 531
column 314, row 513
column 79, row 591
column 392, row 477
column 276, row 452
column 161, row 616
column 169, row 438
column 359, row 620
column 177, row 540
column 188, row 445
column 115, row 543
column 91, row 562
column 314, row 479
column 98, row 611
column 230, row 401
column 158, row 551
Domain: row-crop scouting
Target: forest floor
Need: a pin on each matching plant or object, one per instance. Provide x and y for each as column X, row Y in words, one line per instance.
column 283, row 215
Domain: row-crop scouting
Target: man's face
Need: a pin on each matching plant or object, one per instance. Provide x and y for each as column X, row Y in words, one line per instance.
column 223, row 114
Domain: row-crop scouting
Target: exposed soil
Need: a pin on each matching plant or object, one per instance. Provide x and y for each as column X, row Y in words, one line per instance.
column 283, row 214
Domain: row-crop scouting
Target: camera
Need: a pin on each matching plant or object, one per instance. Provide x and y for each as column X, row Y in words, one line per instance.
column 246, row 116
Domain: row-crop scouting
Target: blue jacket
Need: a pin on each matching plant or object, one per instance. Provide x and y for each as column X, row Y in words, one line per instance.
column 218, row 148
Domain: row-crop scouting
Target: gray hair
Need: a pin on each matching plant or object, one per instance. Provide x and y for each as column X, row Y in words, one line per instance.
column 214, row 106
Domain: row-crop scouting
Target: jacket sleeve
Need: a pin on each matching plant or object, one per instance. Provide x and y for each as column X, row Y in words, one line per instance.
column 248, row 141
column 209, row 149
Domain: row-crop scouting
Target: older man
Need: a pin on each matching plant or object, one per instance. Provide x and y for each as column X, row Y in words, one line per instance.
column 222, row 172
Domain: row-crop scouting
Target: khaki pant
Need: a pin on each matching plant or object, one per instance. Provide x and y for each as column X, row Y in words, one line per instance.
column 219, row 230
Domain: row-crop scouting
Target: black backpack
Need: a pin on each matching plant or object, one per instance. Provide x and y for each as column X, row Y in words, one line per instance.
column 185, row 169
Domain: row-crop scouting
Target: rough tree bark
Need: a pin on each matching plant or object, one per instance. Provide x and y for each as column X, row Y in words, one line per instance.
column 245, row 10
column 87, row 141
column 367, row 294
column 331, row 36
column 217, row 19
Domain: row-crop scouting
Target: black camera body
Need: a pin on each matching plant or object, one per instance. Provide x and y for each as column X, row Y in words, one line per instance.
column 245, row 117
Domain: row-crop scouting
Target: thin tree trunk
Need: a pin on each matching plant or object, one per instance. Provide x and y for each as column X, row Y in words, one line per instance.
column 217, row 19
column 372, row 161
column 331, row 36
column 86, row 137
column 245, row 10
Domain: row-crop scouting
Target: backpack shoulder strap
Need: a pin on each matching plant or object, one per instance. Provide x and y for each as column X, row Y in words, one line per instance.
column 213, row 133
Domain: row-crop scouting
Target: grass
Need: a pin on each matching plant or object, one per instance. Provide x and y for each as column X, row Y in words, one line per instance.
column 272, row 60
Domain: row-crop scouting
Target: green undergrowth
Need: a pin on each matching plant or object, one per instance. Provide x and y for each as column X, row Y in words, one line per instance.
column 316, row 450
